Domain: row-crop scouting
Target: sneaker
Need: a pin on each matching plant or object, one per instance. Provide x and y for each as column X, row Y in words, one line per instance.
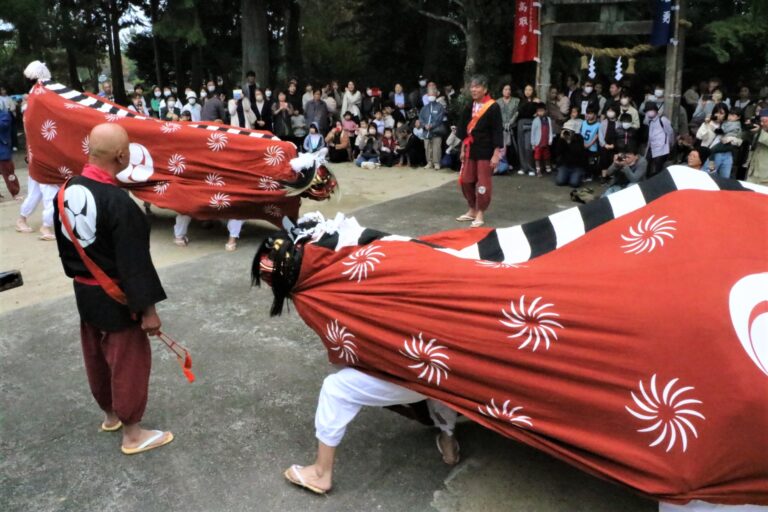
column 531, row 173
column 437, row 167
column 548, row 170
column 428, row 166
column 521, row 172
column 588, row 179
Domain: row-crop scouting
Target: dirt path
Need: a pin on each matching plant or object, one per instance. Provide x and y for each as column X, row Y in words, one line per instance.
column 44, row 278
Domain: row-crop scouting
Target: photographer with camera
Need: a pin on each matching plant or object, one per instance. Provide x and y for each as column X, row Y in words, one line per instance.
column 572, row 156
column 627, row 169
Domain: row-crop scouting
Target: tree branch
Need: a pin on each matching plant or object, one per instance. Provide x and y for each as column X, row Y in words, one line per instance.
column 445, row 19
column 459, row 3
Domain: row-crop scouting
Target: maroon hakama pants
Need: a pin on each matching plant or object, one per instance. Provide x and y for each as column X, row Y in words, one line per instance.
column 476, row 183
column 118, row 365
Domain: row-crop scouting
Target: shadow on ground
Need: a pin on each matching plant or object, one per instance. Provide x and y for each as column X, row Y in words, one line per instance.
column 250, row 413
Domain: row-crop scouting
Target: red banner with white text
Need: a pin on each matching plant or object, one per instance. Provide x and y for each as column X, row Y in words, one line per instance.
column 527, row 31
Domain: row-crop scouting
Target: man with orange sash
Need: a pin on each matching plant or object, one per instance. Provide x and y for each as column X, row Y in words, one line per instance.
column 482, row 132
column 103, row 240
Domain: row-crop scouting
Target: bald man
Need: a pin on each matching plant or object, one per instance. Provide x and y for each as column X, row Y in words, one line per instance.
column 114, row 325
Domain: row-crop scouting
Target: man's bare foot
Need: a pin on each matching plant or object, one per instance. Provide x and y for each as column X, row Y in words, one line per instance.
column 110, row 420
column 134, row 436
column 448, row 447
column 22, row 226
column 310, row 476
column 46, row 234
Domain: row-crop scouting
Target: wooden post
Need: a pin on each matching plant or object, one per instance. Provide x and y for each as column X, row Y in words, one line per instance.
column 673, row 83
column 546, row 49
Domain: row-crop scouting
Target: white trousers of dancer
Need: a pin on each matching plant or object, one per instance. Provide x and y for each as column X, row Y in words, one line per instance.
column 345, row 392
column 37, row 192
column 182, row 226
column 703, row 506
column 234, row 226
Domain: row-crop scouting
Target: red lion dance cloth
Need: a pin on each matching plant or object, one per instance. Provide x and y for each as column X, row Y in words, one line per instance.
column 205, row 170
column 628, row 336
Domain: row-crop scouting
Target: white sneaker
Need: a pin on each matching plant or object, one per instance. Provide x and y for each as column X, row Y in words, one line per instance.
column 521, row 172
column 428, row 166
column 531, row 173
column 437, row 167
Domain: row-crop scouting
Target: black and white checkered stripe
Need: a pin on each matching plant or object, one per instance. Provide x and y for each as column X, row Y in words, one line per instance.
column 521, row 243
column 106, row 108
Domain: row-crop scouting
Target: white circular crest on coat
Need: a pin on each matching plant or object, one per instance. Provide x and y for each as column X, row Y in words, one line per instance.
column 140, row 167
column 748, row 303
column 80, row 208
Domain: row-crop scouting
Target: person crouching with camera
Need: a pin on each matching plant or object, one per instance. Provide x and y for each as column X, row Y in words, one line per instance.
column 627, row 169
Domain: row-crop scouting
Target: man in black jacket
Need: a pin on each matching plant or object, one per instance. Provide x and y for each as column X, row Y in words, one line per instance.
column 116, row 286
column 482, row 133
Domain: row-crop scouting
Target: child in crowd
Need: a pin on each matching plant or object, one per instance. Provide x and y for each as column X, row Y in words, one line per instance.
column 370, row 150
column 186, row 116
column 401, row 134
column 314, row 140
column 389, row 121
column 378, row 120
column 453, row 146
column 626, row 134
column 574, row 114
column 299, row 127
column 350, row 128
column 390, row 149
column 590, row 129
column 362, row 132
column 608, row 135
column 414, row 149
column 542, row 135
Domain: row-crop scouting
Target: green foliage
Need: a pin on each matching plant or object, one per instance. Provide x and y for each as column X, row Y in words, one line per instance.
column 736, row 36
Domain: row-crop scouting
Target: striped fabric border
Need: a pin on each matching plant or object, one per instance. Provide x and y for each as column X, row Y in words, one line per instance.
column 107, row 108
column 521, row 243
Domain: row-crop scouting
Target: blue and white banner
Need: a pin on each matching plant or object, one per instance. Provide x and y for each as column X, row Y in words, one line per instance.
column 662, row 22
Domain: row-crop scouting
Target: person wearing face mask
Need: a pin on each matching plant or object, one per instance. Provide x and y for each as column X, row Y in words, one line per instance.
column 117, row 305
column 370, row 149
column 213, row 108
column 156, row 101
column 351, row 101
column 192, row 106
column 587, row 98
column 626, row 134
column 263, row 111
column 626, row 107
column 432, row 118
column 660, row 138
column 608, row 135
column 614, row 100
column 240, row 112
column 168, row 109
column 657, row 97
column 415, row 97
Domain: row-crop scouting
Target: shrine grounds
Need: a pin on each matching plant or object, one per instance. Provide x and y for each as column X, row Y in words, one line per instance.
column 250, row 413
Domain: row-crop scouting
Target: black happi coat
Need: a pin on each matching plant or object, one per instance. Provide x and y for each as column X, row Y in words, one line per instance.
column 488, row 133
column 120, row 246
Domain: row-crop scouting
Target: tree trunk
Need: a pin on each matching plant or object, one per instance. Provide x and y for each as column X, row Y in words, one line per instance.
column 74, row 77
column 433, row 48
column 178, row 70
column 118, row 81
column 255, row 39
column 281, row 73
column 293, row 49
column 474, row 35
column 153, row 8
column 196, row 68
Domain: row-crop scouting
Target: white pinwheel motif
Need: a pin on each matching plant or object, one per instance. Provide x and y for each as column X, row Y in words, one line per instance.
column 267, row 183
column 169, row 127
column 669, row 413
column 217, row 141
column 219, row 201
column 273, row 210
column 48, row 129
column 505, row 413
column 177, row 163
column 496, row 264
column 73, row 106
column 161, row 187
column 85, row 145
column 361, row 262
column 341, row 340
column 65, row 171
column 274, row 155
column 534, row 320
column 430, row 358
column 111, row 118
column 648, row 234
column 214, row 179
